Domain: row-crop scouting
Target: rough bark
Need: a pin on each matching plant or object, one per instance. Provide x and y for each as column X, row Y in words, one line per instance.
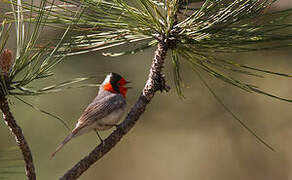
column 155, row 82
column 19, row 137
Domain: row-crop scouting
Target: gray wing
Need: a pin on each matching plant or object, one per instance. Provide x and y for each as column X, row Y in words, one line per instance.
column 100, row 108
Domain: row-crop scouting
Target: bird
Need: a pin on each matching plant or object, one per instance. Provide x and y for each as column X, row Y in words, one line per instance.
column 104, row 112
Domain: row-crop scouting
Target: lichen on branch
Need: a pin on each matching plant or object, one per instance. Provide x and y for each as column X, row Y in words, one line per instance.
column 19, row 137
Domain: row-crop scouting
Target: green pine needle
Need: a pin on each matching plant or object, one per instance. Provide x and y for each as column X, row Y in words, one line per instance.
column 44, row 112
column 252, row 132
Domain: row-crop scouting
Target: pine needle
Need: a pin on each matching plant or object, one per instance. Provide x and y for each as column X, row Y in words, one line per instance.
column 252, row 132
column 44, row 112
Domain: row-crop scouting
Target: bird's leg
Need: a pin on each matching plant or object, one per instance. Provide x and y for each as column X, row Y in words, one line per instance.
column 99, row 137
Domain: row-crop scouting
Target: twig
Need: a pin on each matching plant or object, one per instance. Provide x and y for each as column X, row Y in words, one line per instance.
column 20, row 140
column 154, row 83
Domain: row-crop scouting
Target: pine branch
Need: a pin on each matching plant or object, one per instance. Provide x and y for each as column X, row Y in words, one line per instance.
column 19, row 137
column 154, row 83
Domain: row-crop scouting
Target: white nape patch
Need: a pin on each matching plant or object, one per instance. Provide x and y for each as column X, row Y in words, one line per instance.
column 107, row 79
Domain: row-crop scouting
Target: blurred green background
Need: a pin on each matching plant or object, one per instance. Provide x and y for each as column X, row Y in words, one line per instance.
column 193, row 138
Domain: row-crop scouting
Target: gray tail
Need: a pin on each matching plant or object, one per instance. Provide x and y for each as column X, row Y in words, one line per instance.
column 67, row 139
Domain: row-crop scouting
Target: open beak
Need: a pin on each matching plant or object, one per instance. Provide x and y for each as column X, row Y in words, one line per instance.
column 128, row 82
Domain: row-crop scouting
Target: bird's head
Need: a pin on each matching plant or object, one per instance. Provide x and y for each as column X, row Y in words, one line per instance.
column 115, row 83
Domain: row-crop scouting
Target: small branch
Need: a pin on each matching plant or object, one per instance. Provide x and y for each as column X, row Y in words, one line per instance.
column 154, row 83
column 20, row 140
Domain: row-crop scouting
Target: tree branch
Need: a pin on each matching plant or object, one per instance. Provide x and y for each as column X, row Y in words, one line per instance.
column 20, row 140
column 154, row 83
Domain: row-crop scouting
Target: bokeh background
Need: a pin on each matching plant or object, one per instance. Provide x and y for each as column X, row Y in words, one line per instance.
column 191, row 138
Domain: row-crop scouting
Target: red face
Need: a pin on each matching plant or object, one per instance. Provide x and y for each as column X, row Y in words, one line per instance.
column 123, row 90
column 116, row 85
